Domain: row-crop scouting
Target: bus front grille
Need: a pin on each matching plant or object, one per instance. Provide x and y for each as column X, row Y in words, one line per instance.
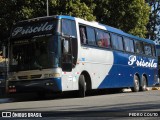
column 22, row 77
column 36, row 76
column 29, row 77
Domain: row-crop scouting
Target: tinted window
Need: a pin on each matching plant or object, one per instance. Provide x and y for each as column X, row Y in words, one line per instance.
column 69, row 27
column 138, row 47
column 117, row 42
column 83, row 35
column 103, row 39
column 120, row 43
column 147, row 49
column 129, row 46
column 91, row 36
column 153, row 50
column 106, row 39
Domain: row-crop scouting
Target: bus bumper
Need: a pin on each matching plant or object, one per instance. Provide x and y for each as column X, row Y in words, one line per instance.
column 37, row 85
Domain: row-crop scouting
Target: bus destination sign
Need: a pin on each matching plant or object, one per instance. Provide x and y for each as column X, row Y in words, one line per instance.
column 32, row 29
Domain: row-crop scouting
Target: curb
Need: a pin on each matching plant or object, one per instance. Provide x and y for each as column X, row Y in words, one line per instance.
column 155, row 88
column 148, row 89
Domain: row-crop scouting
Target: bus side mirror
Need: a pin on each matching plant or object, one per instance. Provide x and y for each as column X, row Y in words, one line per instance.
column 65, row 46
column 67, row 56
column 4, row 51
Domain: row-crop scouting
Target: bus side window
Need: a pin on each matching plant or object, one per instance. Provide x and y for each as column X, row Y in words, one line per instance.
column 117, row 42
column 120, row 42
column 114, row 41
column 147, row 49
column 69, row 27
column 129, row 47
column 138, row 47
column 153, row 51
column 107, row 40
column 100, row 38
column 83, row 36
column 126, row 44
column 91, row 36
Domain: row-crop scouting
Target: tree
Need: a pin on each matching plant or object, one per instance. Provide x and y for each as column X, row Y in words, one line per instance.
column 154, row 20
column 8, row 15
column 71, row 7
column 129, row 15
column 17, row 10
column 33, row 8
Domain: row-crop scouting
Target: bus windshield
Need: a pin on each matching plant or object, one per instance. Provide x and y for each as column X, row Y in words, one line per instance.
column 35, row 53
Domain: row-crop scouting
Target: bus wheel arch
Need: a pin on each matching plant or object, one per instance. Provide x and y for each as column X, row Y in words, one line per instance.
column 87, row 80
column 136, row 81
column 144, row 83
column 84, row 83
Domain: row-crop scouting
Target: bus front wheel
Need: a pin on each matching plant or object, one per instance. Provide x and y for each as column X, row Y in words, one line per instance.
column 136, row 87
column 82, row 86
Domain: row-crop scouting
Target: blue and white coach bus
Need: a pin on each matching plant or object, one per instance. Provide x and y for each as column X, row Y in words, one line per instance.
column 64, row 53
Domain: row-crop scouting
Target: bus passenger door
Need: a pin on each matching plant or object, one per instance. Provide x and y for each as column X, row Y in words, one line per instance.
column 67, row 75
column 69, row 52
column 66, row 55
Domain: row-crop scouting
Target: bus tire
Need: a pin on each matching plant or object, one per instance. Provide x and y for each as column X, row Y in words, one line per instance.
column 144, row 84
column 136, row 87
column 82, row 86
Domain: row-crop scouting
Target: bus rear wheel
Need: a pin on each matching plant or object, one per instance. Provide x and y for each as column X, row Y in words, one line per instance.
column 136, row 87
column 82, row 86
column 144, row 84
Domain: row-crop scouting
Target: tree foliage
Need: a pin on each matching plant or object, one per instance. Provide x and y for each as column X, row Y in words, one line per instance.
column 128, row 15
column 154, row 21
column 72, row 8
column 9, row 13
column 16, row 10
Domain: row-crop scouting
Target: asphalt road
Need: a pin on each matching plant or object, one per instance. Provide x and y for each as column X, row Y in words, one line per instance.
column 97, row 104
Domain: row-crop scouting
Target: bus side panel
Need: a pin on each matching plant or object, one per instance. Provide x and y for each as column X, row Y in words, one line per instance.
column 122, row 74
column 97, row 62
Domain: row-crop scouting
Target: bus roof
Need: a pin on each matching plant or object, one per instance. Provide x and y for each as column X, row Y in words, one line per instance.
column 94, row 24
column 108, row 28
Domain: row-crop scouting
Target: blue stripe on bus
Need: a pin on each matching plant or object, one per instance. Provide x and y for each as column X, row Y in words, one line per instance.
column 158, row 46
column 121, row 74
column 59, row 83
column 65, row 17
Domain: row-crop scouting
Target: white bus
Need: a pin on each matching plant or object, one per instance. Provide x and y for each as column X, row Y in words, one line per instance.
column 64, row 53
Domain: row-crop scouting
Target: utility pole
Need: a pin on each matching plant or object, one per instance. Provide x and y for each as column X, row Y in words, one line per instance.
column 47, row 9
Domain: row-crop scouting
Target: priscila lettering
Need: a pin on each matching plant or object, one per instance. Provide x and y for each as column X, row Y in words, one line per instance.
column 32, row 29
column 141, row 62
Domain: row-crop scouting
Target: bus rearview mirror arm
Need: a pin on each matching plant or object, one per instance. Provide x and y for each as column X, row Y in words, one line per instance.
column 65, row 46
column 4, row 51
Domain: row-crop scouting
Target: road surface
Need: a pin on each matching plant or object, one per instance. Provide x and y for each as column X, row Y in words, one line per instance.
column 96, row 104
